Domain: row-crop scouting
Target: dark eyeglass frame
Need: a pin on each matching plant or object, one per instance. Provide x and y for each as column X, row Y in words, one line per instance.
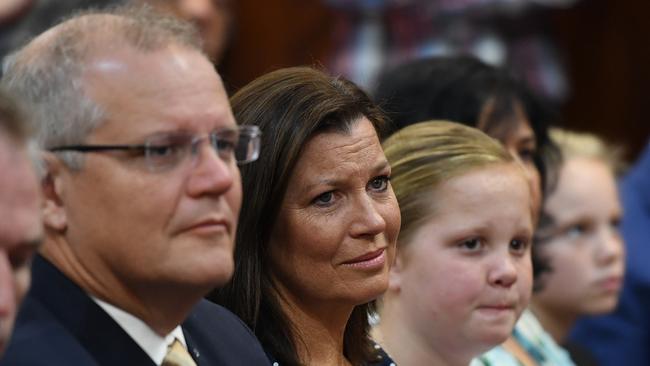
column 247, row 137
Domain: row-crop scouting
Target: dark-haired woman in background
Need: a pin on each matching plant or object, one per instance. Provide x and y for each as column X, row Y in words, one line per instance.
column 465, row 90
column 319, row 219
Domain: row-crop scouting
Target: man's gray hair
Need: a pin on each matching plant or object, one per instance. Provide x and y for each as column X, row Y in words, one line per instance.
column 46, row 74
column 12, row 119
column 14, row 126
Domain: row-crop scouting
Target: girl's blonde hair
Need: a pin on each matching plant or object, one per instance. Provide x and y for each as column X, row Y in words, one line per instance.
column 426, row 154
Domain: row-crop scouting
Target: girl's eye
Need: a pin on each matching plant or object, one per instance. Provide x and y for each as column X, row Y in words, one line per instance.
column 472, row 245
column 379, row 184
column 518, row 246
column 324, row 199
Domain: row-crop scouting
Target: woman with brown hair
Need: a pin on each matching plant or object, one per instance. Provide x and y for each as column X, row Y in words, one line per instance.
column 319, row 219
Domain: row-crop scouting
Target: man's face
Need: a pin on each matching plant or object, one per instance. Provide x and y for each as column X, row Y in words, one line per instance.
column 20, row 230
column 144, row 231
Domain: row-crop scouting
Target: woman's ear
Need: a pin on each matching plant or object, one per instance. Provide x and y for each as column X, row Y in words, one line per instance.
column 54, row 216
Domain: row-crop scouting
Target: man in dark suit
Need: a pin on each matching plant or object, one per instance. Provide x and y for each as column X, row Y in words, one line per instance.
column 21, row 229
column 142, row 193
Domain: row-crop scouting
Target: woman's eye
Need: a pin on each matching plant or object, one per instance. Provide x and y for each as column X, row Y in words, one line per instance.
column 526, row 155
column 518, row 246
column 472, row 245
column 324, row 199
column 379, row 184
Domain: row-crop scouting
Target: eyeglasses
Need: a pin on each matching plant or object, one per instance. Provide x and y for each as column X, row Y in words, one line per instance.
column 167, row 150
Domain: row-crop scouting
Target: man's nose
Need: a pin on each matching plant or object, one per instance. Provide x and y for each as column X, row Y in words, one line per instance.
column 211, row 174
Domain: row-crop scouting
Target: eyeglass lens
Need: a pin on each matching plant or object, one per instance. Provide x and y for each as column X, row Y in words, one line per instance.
column 168, row 150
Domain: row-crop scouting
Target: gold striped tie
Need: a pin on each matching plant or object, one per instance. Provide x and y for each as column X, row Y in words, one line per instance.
column 177, row 355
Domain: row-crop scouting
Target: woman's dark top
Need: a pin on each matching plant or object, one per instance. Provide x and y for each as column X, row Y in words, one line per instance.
column 382, row 358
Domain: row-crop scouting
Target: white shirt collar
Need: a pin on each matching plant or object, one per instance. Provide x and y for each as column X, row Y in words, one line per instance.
column 151, row 342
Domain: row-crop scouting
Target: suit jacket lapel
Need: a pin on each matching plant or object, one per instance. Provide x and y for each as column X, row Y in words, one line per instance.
column 193, row 349
column 95, row 330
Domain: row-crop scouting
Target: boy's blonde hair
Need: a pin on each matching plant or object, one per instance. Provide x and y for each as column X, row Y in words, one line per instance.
column 587, row 145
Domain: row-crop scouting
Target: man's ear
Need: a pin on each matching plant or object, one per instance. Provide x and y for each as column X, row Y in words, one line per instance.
column 395, row 273
column 54, row 215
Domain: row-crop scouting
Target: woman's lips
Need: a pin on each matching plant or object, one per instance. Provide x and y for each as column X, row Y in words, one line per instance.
column 369, row 260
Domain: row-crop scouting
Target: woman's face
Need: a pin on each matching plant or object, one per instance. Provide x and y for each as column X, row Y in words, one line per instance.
column 335, row 236
column 582, row 242
column 518, row 138
column 465, row 276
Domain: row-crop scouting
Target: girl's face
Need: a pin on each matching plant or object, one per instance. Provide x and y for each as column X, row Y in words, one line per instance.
column 582, row 241
column 465, row 275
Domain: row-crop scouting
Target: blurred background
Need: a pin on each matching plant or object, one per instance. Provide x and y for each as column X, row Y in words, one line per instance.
column 588, row 58
column 602, row 46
